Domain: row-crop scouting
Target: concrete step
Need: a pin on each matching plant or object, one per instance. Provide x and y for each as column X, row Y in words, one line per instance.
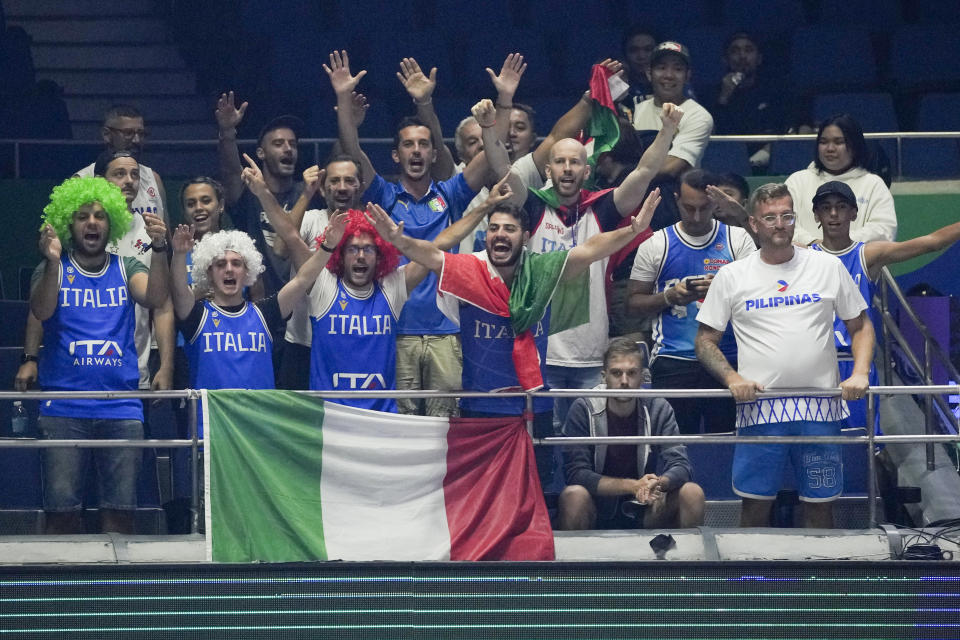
column 154, row 108
column 123, row 84
column 134, row 30
column 59, row 8
column 96, row 56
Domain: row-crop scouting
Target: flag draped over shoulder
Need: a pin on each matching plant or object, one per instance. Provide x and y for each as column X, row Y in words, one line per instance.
column 293, row 478
column 536, row 284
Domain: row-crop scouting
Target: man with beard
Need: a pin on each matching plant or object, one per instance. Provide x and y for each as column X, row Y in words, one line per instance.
column 355, row 303
column 428, row 348
column 782, row 301
column 339, row 182
column 564, row 216
column 505, row 337
column 84, row 297
column 123, row 130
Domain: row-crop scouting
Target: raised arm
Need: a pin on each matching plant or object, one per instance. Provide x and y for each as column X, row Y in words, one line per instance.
column 228, row 118
column 604, row 244
column 307, row 274
column 151, row 290
column 570, row 123
column 43, row 296
column 729, row 211
column 880, row 253
column 420, row 88
column 453, row 234
column 165, row 331
column 183, row 298
column 312, row 179
column 420, row 251
column 628, row 195
column 506, row 83
column 344, row 84
column 253, row 178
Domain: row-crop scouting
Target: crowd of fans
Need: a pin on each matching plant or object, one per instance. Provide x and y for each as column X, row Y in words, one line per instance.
column 516, row 263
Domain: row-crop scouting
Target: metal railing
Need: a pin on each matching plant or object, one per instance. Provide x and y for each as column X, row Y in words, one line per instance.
column 315, row 144
column 194, row 442
column 931, row 351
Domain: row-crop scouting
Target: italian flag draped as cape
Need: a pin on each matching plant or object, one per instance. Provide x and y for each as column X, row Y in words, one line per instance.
column 536, row 284
column 293, row 478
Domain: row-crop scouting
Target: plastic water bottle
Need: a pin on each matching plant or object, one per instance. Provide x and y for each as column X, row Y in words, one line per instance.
column 18, row 421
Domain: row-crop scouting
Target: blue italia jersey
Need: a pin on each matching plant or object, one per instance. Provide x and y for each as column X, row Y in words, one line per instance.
column 676, row 327
column 89, row 341
column 855, row 263
column 488, row 360
column 354, row 338
column 230, row 350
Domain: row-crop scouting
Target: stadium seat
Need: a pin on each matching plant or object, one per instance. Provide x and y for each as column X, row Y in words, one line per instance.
column 941, row 12
column 828, row 58
column 768, row 17
column 726, row 157
column 874, row 15
column 925, row 58
column 788, row 156
column 706, row 53
column 664, row 15
column 935, row 158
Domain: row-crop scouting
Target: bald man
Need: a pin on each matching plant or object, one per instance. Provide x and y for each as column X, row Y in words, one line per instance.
column 564, row 215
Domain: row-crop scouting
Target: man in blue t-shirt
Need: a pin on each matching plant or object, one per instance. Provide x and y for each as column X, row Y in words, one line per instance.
column 428, row 347
column 85, row 299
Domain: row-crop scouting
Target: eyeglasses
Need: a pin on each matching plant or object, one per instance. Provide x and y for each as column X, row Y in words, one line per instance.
column 786, row 218
column 826, row 207
column 367, row 249
column 130, row 134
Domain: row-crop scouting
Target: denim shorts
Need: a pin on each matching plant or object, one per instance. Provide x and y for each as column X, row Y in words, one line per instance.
column 818, row 468
column 65, row 469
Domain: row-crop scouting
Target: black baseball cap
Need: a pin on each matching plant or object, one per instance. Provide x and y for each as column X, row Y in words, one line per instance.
column 835, row 188
column 293, row 123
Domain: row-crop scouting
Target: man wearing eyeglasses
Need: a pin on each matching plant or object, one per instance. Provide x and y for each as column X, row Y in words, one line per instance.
column 781, row 302
column 123, row 130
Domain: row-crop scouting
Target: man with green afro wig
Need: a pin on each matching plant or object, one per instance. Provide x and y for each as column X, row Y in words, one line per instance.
column 75, row 192
column 86, row 299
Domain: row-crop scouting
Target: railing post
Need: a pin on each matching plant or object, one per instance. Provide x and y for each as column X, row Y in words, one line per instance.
column 871, row 460
column 16, row 159
column 928, row 402
column 529, row 405
column 194, row 464
column 884, row 312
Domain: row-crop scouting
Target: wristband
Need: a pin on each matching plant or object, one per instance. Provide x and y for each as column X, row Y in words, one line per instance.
column 489, row 126
column 424, row 103
column 326, row 248
column 500, row 105
column 28, row 357
column 159, row 248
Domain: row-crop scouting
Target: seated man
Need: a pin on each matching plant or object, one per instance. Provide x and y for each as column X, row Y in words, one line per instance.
column 600, row 478
column 85, row 299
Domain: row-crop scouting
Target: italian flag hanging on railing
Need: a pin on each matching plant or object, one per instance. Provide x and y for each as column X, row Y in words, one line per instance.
column 293, row 478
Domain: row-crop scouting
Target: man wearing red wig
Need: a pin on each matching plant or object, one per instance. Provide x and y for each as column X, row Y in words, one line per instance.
column 355, row 303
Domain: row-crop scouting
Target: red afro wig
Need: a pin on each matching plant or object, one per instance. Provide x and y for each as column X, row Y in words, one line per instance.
column 388, row 257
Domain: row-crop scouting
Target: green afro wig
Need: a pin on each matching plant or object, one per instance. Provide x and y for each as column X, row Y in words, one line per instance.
column 66, row 198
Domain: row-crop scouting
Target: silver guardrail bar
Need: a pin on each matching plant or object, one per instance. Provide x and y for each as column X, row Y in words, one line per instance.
column 194, row 442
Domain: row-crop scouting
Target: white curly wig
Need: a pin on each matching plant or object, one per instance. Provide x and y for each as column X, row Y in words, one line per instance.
column 214, row 246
